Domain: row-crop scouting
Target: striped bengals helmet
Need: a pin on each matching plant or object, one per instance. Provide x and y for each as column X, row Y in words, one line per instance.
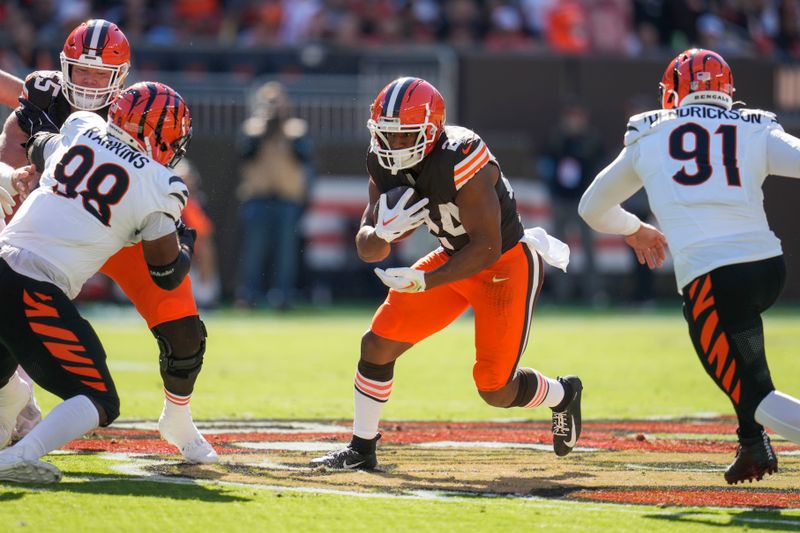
column 697, row 76
column 101, row 45
column 152, row 118
column 406, row 105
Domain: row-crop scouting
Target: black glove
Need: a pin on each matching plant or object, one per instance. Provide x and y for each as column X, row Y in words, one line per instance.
column 33, row 119
column 186, row 235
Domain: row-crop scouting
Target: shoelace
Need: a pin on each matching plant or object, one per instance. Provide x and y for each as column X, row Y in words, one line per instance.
column 560, row 424
column 767, row 447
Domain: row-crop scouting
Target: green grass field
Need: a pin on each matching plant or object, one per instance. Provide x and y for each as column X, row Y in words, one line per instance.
column 300, row 367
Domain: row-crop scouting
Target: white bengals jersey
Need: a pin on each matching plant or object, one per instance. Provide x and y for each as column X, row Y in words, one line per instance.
column 96, row 195
column 702, row 167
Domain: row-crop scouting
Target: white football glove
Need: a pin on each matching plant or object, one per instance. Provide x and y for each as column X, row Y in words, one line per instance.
column 394, row 222
column 402, row 279
column 7, row 203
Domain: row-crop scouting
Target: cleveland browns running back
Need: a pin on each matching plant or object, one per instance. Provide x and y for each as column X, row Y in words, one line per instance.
column 487, row 261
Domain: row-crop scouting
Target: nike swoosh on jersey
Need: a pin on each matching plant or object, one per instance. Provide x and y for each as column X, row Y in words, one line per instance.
column 573, row 438
column 495, row 279
column 466, row 149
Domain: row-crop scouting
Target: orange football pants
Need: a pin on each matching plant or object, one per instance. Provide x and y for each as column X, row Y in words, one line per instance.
column 129, row 270
column 502, row 297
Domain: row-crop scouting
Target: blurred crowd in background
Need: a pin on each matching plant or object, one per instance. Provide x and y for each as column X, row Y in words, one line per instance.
column 626, row 27
column 275, row 170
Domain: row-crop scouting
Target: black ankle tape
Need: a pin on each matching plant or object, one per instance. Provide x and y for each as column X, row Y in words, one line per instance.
column 376, row 372
column 364, row 446
column 526, row 387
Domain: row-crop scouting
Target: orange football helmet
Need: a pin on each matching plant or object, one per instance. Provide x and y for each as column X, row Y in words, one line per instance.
column 406, row 105
column 95, row 44
column 152, row 118
column 697, row 76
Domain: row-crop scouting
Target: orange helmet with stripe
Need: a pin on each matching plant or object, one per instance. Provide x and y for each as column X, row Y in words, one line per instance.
column 697, row 76
column 152, row 118
column 96, row 44
column 406, row 105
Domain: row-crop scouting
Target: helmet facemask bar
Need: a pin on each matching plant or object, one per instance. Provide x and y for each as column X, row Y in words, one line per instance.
column 92, row 98
column 179, row 148
column 401, row 158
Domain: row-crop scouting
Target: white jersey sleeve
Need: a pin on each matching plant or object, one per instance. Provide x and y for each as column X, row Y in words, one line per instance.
column 169, row 194
column 600, row 204
column 783, row 153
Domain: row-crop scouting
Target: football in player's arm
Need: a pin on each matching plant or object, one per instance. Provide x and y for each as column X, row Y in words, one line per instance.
column 487, row 261
column 703, row 164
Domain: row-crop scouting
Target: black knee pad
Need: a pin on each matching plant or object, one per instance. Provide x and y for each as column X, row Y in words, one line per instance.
column 182, row 344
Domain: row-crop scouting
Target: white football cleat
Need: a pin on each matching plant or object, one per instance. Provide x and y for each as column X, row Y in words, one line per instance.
column 199, row 451
column 13, row 467
column 183, row 434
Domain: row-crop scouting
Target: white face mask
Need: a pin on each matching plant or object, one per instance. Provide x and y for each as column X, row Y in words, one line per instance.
column 401, row 158
column 91, row 98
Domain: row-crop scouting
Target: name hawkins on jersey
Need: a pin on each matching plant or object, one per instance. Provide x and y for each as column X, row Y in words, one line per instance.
column 122, row 150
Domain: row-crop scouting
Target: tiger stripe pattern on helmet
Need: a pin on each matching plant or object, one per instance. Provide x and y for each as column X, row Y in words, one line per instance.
column 155, row 118
column 697, row 76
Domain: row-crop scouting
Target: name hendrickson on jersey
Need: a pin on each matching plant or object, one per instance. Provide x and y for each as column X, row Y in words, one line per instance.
column 709, row 112
column 120, row 149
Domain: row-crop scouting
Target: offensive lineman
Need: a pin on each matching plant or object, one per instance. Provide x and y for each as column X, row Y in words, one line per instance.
column 104, row 185
column 487, row 261
column 95, row 62
column 702, row 164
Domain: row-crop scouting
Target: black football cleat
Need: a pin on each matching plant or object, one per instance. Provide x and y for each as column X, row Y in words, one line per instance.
column 567, row 421
column 754, row 458
column 349, row 458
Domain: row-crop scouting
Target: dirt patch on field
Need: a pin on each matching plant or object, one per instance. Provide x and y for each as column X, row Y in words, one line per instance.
column 676, row 463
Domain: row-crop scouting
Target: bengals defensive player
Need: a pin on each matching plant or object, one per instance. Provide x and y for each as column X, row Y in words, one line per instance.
column 468, row 205
column 703, row 164
column 104, row 184
column 95, row 61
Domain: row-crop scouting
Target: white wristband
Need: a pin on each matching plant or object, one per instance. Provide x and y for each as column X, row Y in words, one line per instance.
column 6, row 172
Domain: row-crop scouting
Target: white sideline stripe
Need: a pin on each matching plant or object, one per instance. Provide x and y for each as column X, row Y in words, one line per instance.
column 291, row 446
column 496, row 445
column 245, row 426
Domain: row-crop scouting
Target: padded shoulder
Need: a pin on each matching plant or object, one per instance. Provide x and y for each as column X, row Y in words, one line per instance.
column 645, row 123
column 42, row 87
column 767, row 117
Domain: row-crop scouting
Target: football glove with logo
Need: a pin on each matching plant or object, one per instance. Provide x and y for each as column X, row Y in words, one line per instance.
column 402, row 279
column 393, row 222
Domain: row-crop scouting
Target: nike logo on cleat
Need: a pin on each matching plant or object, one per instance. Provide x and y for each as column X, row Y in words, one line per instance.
column 352, row 465
column 573, row 436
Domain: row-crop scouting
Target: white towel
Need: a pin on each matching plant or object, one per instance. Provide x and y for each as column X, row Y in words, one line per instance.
column 553, row 251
